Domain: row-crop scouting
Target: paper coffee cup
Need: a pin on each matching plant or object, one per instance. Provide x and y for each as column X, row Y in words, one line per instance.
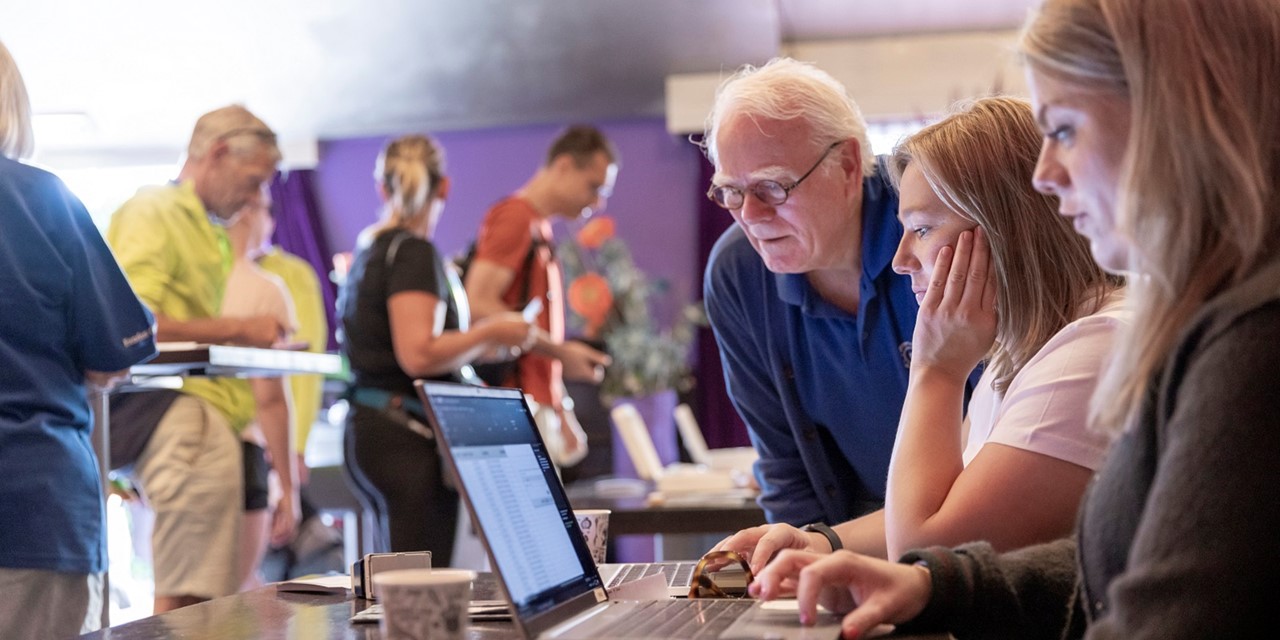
column 595, row 530
column 423, row 603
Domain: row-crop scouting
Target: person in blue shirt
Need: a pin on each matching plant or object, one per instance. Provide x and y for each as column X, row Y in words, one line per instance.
column 813, row 325
column 68, row 321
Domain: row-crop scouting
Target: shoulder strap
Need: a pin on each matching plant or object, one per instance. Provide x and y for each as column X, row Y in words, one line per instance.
column 395, row 246
column 525, row 272
column 527, row 269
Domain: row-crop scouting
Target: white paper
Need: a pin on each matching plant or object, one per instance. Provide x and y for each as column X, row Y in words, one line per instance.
column 177, row 346
column 323, row 584
column 652, row 587
column 476, row 610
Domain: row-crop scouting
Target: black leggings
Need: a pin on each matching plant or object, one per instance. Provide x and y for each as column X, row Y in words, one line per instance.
column 398, row 475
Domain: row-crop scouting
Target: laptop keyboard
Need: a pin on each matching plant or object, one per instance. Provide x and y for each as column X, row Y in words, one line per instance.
column 678, row 573
column 678, row 619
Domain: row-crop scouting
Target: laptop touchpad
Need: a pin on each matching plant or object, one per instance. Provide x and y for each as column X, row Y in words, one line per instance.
column 781, row 619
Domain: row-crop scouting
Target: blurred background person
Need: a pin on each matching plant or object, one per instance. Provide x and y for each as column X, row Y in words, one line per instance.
column 400, row 322
column 309, row 552
column 183, row 447
column 69, row 323
column 268, row 440
column 306, row 390
column 515, row 265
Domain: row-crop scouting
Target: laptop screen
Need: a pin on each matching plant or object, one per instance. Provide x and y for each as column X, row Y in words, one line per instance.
column 513, row 491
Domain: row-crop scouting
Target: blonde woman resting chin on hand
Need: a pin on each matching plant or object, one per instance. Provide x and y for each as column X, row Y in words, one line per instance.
column 1001, row 278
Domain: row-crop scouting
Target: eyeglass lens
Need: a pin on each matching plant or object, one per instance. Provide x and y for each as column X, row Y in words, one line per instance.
column 770, row 192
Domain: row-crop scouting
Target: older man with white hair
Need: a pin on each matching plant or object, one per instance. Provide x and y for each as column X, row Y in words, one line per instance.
column 172, row 243
column 814, row 327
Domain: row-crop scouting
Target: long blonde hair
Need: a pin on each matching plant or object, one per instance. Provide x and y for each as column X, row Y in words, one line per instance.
column 1199, row 180
column 16, row 139
column 409, row 170
column 979, row 161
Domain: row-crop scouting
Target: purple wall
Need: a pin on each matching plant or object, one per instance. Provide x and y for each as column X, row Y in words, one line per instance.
column 655, row 202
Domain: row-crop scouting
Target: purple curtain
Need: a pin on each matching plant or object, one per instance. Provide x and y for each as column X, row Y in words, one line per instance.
column 300, row 232
column 719, row 420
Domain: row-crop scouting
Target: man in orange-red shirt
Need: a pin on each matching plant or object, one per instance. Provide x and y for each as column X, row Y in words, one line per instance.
column 514, row 265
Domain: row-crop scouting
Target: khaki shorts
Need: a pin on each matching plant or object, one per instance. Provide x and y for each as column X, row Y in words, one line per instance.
column 190, row 474
column 49, row 604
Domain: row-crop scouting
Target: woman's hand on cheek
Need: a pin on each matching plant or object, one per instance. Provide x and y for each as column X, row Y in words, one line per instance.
column 957, row 322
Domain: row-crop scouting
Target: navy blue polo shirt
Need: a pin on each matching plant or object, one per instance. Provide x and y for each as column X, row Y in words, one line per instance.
column 65, row 307
column 820, row 390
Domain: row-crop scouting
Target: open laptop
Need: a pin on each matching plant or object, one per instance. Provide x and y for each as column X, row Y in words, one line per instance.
column 739, row 459
column 504, row 473
column 677, row 478
column 678, row 575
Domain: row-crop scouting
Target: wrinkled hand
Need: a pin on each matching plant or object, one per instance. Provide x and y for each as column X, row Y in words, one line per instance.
column 867, row 591
column 758, row 545
column 956, row 326
column 285, row 519
column 261, row 331
column 583, row 363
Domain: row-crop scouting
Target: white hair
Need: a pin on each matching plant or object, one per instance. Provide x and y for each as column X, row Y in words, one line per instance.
column 244, row 132
column 787, row 89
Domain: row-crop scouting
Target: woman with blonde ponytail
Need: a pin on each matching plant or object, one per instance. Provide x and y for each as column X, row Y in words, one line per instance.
column 399, row 323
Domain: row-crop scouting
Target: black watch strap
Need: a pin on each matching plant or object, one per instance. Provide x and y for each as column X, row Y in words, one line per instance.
column 827, row 532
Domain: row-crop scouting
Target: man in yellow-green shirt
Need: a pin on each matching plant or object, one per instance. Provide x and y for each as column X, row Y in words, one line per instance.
column 171, row 243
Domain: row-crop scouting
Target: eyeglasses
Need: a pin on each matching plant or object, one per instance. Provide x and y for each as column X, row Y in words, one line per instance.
column 770, row 192
column 702, row 585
